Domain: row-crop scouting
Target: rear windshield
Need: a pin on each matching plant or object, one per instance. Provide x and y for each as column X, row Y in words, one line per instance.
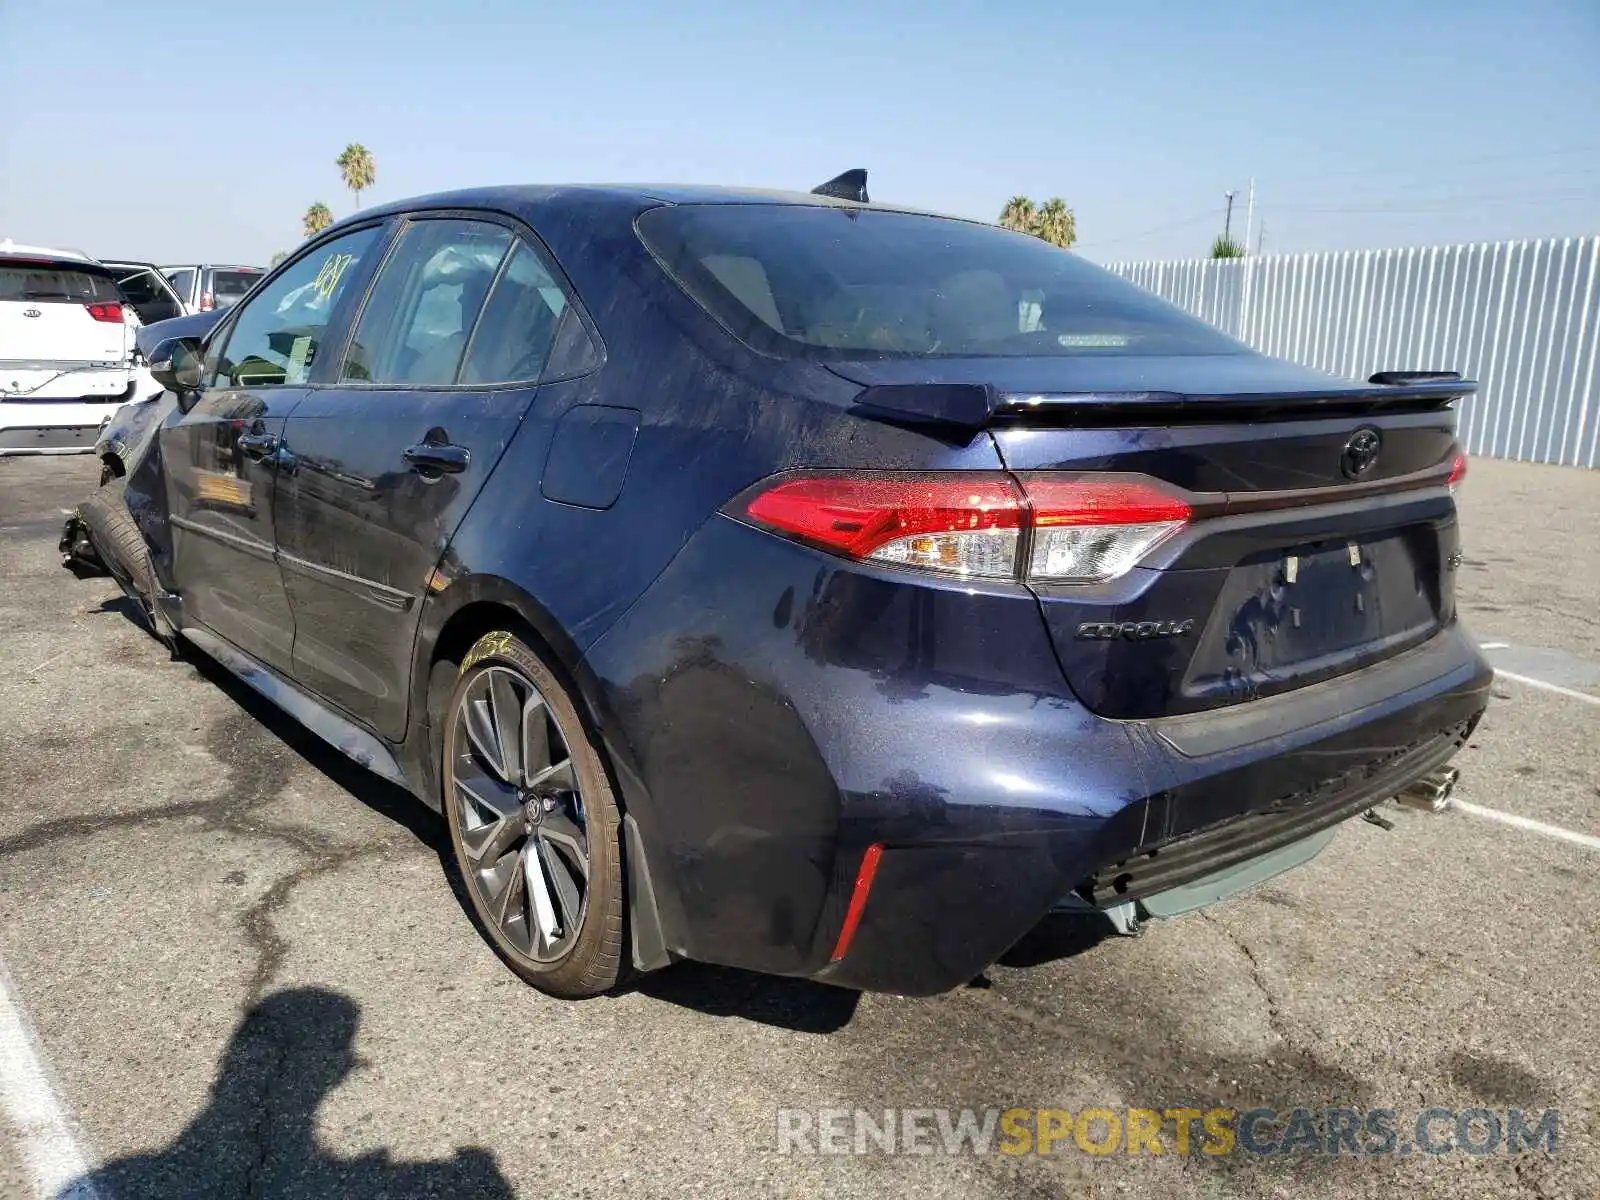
column 50, row 284
column 794, row 280
column 230, row 285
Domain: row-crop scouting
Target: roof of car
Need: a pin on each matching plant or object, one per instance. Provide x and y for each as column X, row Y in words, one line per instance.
column 14, row 249
column 638, row 195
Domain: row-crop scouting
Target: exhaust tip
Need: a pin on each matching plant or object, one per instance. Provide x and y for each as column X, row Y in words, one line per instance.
column 1431, row 792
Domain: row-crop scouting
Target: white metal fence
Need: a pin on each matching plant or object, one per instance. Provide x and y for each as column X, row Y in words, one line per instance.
column 1519, row 317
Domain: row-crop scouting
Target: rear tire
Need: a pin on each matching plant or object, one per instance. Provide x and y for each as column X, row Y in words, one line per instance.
column 533, row 822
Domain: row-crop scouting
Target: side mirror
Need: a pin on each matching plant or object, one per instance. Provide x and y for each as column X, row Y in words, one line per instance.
column 175, row 364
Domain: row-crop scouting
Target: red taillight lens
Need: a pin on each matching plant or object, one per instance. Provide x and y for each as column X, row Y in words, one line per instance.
column 1085, row 529
column 1458, row 470
column 964, row 525
column 111, row 313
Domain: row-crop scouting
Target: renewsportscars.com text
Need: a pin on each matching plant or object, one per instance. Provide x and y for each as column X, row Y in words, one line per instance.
column 1152, row 1131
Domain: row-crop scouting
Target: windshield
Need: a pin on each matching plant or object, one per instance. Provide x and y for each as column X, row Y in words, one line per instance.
column 795, row 280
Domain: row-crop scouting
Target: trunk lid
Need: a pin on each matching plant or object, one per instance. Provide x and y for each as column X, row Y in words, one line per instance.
column 1324, row 536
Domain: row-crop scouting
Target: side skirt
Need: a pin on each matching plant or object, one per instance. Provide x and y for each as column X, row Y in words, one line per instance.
column 343, row 735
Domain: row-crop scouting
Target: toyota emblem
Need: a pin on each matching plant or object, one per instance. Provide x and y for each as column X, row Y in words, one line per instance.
column 32, row 312
column 1361, row 452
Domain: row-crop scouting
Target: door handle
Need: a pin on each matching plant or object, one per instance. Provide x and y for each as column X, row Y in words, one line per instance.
column 437, row 457
column 258, row 445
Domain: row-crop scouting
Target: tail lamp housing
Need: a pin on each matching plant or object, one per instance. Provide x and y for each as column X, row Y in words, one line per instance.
column 109, row 312
column 1045, row 528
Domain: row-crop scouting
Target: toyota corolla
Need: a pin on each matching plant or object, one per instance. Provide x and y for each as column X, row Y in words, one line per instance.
column 806, row 585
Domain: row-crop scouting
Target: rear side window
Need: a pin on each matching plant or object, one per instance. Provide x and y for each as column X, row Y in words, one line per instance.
column 45, row 283
column 826, row 282
column 513, row 337
column 277, row 332
column 420, row 314
column 228, row 286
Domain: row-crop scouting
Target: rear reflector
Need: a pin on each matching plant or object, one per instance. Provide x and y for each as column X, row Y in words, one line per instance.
column 1085, row 528
column 1458, row 470
column 110, row 313
column 858, row 899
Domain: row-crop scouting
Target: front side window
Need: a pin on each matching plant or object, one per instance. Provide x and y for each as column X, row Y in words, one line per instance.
column 275, row 337
column 824, row 282
column 425, row 303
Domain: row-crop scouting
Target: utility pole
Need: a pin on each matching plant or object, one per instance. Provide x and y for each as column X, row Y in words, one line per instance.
column 1227, row 219
column 1261, row 238
column 1249, row 215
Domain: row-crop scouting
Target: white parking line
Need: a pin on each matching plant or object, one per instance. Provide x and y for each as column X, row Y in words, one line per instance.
column 52, row 1156
column 1585, row 840
column 1530, row 681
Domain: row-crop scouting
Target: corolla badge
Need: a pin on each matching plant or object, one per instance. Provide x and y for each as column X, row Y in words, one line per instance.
column 1138, row 631
column 1361, row 452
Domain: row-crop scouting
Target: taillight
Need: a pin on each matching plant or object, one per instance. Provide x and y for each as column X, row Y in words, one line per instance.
column 1084, row 529
column 1458, row 470
column 111, row 313
column 959, row 524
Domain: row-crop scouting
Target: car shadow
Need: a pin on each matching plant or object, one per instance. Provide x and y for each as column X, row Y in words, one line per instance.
column 800, row 1005
column 387, row 799
column 1058, row 936
column 256, row 1135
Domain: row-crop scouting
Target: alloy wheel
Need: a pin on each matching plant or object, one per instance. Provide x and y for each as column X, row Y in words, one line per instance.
column 521, row 814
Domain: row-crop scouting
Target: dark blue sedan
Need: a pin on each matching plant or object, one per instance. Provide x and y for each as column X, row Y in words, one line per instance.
column 805, row 585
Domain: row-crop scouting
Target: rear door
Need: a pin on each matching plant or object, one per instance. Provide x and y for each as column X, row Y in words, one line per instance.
column 224, row 456
column 149, row 293
column 391, row 448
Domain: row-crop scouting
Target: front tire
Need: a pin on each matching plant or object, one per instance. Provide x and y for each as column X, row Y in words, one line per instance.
column 533, row 821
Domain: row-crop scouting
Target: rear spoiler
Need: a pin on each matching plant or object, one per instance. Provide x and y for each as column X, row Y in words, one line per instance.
column 975, row 406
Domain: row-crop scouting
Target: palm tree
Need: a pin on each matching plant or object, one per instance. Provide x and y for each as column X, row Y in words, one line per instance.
column 1017, row 214
column 318, row 217
column 1225, row 247
column 1054, row 223
column 1051, row 221
column 357, row 168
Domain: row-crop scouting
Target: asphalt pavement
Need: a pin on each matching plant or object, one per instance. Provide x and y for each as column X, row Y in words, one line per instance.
column 233, row 964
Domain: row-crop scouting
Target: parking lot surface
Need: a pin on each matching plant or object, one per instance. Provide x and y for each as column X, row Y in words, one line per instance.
column 235, row 965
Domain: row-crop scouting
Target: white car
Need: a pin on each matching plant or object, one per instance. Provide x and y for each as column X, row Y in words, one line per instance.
column 67, row 352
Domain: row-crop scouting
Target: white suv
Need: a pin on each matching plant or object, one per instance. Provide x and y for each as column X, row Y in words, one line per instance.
column 67, row 356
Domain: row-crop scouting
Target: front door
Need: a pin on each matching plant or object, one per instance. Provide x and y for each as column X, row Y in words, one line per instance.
column 224, row 456
column 390, row 451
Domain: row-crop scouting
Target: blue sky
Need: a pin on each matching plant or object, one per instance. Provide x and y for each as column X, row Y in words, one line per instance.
column 187, row 131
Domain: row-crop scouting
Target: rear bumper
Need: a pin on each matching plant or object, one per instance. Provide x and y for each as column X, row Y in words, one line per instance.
column 937, row 914
column 767, row 730
column 63, row 425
